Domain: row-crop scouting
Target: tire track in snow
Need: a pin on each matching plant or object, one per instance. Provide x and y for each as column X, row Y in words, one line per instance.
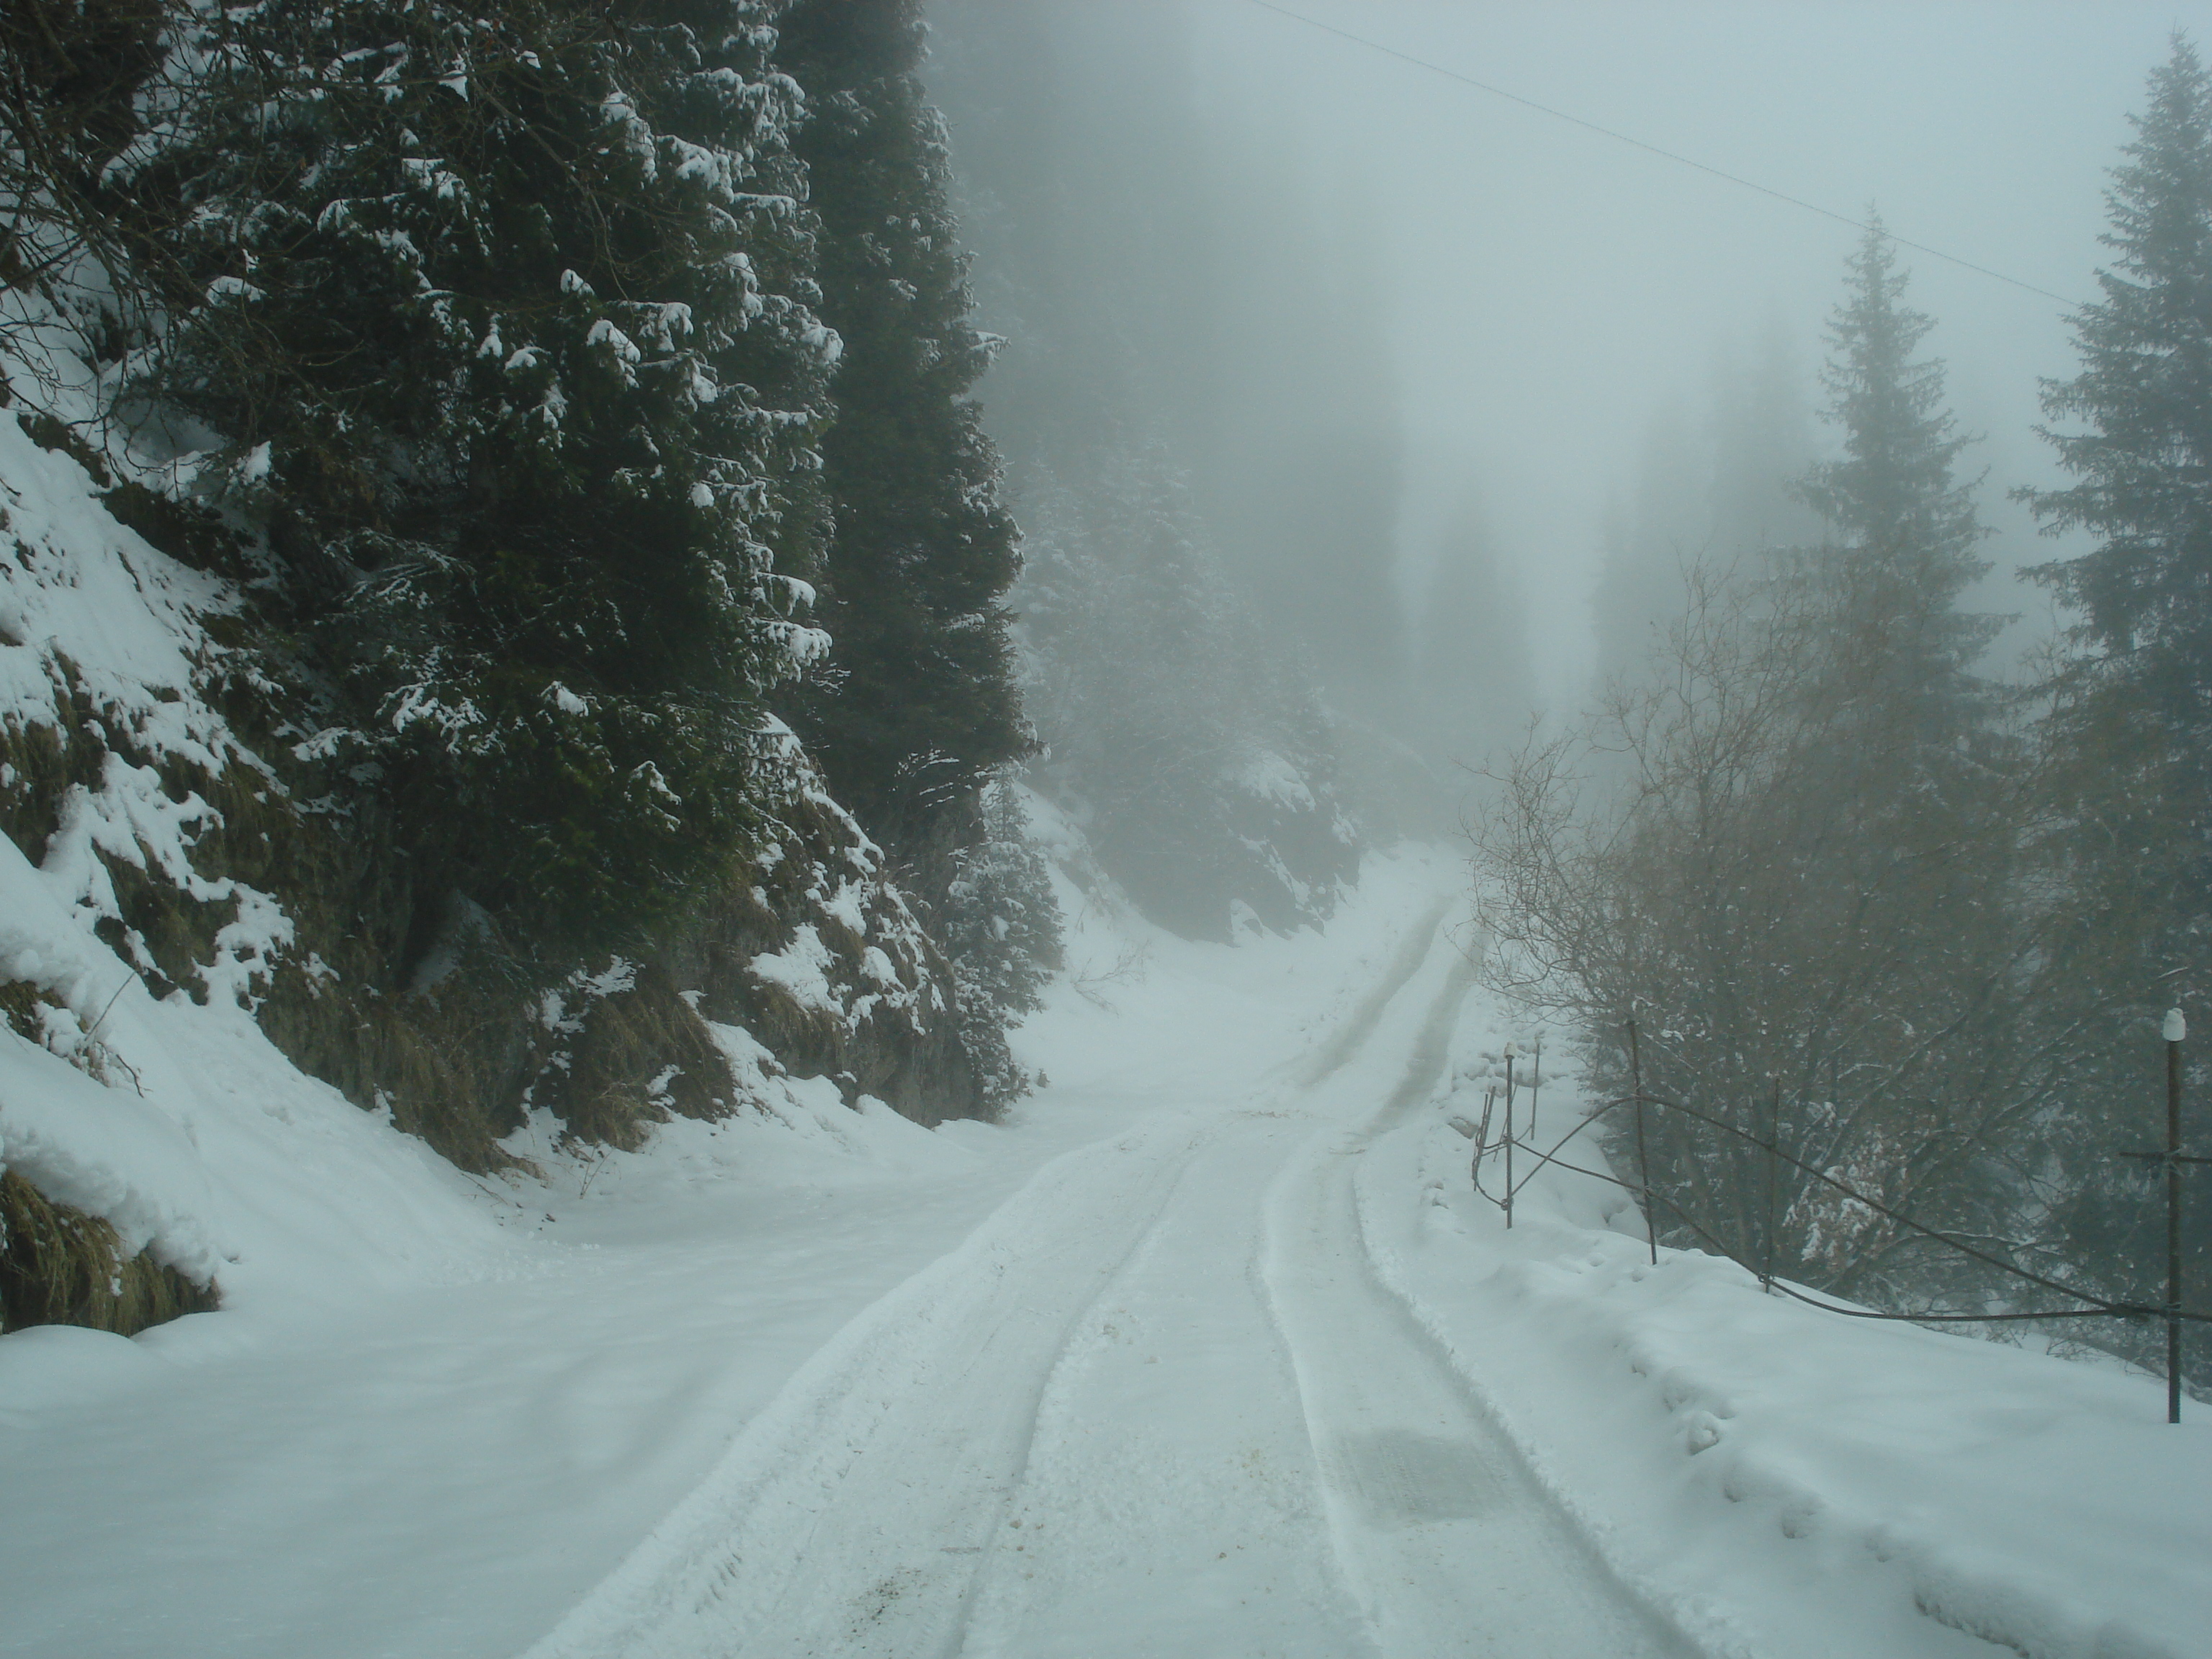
column 857, row 1515
column 1340, row 1050
column 850, row 1516
column 1436, row 1517
column 893, row 1565
column 1171, row 1505
column 1432, row 1046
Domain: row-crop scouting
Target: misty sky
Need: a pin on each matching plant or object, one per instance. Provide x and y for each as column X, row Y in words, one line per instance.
column 1548, row 290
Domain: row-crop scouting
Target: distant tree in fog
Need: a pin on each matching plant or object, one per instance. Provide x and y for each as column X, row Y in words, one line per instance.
column 2129, row 737
column 1302, row 465
column 1906, row 537
column 1473, row 682
column 1198, row 431
column 1196, row 757
column 1160, row 269
column 1806, row 884
column 1761, row 432
column 1651, row 535
column 1718, row 490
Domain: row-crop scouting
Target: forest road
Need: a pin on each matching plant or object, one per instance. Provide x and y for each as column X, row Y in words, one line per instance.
column 1159, row 1405
column 1447, row 1539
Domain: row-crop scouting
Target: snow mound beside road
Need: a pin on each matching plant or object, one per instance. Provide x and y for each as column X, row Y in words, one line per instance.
column 1794, row 1483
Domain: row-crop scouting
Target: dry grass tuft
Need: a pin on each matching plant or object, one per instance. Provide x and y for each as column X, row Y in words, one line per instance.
column 643, row 1054
column 61, row 1267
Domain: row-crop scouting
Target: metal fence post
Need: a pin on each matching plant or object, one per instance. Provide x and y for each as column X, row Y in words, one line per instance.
column 1508, row 1137
column 1642, row 1159
column 2177, row 1031
column 1536, row 1083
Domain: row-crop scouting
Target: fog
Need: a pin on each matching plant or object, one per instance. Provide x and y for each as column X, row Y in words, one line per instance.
column 1496, row 322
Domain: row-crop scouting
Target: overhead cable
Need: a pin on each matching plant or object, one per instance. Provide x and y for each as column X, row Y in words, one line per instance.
column 1654, row 149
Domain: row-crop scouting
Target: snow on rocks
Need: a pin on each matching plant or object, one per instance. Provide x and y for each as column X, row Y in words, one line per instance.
column 824, row 961
column 802, row 969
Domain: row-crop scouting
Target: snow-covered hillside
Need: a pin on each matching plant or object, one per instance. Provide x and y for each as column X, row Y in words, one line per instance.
column 136, row 1086
column 1209, row 1350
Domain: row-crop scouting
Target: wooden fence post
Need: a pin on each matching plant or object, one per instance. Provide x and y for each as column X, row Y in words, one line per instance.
column 1642, row 1157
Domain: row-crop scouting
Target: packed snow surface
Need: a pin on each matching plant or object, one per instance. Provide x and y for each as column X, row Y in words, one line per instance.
column 1210, row 1351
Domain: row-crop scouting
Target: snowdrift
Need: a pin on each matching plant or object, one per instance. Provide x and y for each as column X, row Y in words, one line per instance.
column 1761, row 1467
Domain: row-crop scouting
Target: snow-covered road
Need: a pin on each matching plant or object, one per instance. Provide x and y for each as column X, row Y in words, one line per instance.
column 1453, row 1547
column 1159, row 1405
column 1209, row 1353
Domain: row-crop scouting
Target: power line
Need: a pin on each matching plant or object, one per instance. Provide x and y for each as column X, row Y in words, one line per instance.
column 1654, row 149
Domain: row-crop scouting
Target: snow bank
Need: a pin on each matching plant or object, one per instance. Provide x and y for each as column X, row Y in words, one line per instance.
column 1747, row 1461
column 107, row 1152
column 88, row 609
column 91, row 613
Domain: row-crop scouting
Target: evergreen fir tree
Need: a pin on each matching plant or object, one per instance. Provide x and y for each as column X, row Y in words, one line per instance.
column 2143, row 393
column 1001, row 927
column 1904, row 532
column 2128, row 742
column 80, row 81
column 504, row 323
column 920, row 706
column 2132, row 723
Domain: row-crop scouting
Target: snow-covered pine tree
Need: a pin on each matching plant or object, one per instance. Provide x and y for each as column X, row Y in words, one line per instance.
column 77, row 240
column 1001, row 927
column 919, row 705
column 492, row 381
column 505, row 328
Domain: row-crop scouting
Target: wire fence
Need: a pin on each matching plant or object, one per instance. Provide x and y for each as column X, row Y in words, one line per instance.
column 2087, row 1306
